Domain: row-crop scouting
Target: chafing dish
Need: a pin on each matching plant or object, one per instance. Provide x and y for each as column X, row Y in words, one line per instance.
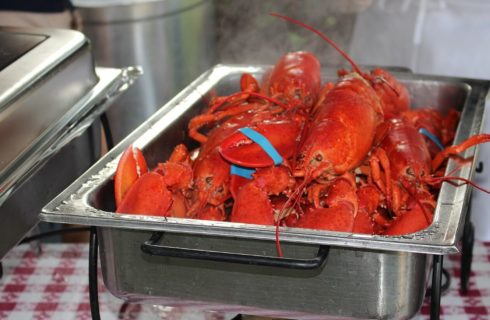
column 368, row 276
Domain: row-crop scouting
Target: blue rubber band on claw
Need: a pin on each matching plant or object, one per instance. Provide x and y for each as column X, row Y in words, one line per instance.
column 242, row 171
column 432, row 137
column 264, row 143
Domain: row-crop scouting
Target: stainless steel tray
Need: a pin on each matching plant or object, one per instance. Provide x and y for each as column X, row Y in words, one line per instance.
column 359, row 283
column 89, row 200
column 363, row 276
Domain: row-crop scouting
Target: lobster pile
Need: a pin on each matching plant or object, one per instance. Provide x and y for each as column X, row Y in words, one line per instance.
column 350, row 156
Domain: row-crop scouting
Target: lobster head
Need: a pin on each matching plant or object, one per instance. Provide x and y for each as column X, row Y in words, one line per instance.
column 212, row 175
column 393, row 95
column 296, row 79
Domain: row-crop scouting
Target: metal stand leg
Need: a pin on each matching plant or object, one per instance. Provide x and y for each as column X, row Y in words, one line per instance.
column 1, row 270
column 94, row 242
column 467, row 255
column 468, row 241
column 435, row 300
column 92, row 274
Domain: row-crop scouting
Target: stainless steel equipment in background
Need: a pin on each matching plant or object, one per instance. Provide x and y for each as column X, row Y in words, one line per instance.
column 173, row 41
column 50, row 94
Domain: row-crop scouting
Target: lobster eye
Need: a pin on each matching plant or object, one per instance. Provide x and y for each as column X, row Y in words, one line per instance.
column 410, row 171
column 318, row 157
column 209, row 180
column 219, row 189
column 297, row 93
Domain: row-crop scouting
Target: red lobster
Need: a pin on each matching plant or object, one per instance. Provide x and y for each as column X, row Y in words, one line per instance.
column 340, row 136
column 402, row 168
column 353, row 147
column 295, row 80
column 211, row 171
column 398, row 166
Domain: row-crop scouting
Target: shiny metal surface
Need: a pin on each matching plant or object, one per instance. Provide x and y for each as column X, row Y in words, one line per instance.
column 172, row 40
column 37, row 93
column 90, row 199
column 73, row 146
column 352, row 283
column 59, row 45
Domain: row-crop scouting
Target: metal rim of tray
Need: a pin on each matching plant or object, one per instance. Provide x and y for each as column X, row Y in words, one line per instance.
column 73, row 204
column 111, row 83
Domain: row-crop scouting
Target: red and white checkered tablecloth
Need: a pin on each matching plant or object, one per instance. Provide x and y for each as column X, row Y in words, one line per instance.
column 53, row 284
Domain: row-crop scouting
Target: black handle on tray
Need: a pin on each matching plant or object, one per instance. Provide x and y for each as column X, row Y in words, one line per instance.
column 151, row 247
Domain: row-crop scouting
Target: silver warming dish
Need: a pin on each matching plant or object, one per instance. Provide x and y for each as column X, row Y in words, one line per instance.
column 366, row 276
column 50, row 94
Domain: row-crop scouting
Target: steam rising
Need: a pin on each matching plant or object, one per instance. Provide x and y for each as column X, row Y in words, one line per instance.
column 247, row 34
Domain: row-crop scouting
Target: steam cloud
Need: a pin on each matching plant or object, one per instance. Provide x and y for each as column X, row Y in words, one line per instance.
column 247, row 34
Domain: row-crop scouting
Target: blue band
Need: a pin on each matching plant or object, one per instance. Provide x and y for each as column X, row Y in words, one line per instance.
column 432, row 137
column 263, row 143
column 241, row 171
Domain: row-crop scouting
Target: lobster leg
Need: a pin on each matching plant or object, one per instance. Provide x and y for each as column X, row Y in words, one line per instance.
column 454, row 150
column 249, row 87
column 201, row 120
column 369, row 198
column 379, row 160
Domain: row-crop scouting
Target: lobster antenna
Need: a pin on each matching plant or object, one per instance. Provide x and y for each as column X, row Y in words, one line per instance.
column 278, row 243
column 252, row 94
column 464, row 180
column 295, row 196
column 324, row 37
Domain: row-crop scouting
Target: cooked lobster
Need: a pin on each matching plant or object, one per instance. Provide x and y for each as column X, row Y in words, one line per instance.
column 349, row 156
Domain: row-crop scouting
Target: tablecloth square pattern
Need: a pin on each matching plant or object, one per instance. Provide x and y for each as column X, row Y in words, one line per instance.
column 51, row 282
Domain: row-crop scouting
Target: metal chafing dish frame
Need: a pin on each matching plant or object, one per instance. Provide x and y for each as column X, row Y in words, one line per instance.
column 76, row 203
column 361, row 277
column 50, row 95
column 112, row 82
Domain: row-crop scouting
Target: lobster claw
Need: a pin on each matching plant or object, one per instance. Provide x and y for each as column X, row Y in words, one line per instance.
column 241, row 150
column 148, row 195
column 342, row 208
column 258, row 211
column 236, row 183
column 265, row 183
column 411, row 221
column 338, row 218
column 213, row 213
column 130, row 167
